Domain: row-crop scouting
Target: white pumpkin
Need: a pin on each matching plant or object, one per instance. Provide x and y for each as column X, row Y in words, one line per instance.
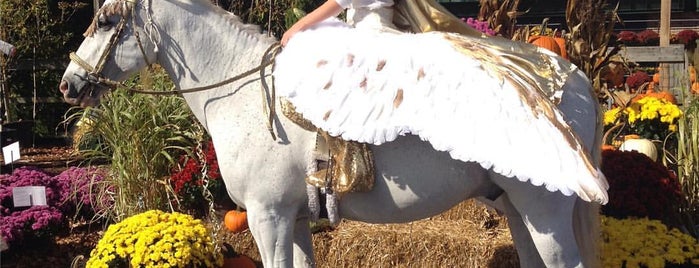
column 644, row 146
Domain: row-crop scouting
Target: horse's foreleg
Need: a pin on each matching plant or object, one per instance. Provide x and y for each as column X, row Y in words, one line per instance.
column 548, row 218
column 273, row 231
column 303, row 243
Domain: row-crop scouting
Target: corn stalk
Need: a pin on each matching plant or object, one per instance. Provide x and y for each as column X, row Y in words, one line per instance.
column 590, row 29
column 688, row 164
column 501, row 17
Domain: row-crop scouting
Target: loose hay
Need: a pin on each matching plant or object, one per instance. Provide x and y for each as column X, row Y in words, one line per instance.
column 468, row 235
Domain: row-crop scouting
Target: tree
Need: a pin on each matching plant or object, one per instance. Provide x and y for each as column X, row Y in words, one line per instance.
column 43, row 32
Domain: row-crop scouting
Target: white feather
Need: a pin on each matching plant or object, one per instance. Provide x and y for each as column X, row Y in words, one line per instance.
column 372, row 87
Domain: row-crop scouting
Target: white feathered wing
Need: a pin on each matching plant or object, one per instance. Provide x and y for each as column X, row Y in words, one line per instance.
column 371, row 87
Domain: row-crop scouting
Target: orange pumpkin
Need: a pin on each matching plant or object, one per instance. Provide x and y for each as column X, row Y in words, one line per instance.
column 546, row 42
column 562, row 46
column 236, row 221
column 234, row 260
column 241, row 261
column 660, row 95
column 692, row 74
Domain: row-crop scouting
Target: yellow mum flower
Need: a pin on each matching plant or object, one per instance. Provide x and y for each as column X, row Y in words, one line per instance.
column 645, row 243
column 156, row 239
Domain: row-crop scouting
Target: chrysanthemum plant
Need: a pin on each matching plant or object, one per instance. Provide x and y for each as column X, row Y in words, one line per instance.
column 73, row 192
column 646, row 243
column 156, row 239
column 650, row 117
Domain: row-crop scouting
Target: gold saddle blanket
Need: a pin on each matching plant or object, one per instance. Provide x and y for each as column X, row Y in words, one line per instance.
column 349, row 164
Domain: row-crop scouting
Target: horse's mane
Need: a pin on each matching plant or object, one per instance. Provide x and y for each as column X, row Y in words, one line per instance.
column 251, row 29
column 123, row 7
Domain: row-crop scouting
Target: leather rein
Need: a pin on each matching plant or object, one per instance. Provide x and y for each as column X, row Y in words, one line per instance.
column 95, row 76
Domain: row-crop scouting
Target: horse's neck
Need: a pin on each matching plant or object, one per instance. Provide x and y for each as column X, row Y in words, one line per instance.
column 202, row 45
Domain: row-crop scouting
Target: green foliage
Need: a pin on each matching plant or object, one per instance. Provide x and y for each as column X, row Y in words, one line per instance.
column 38, row 28
column 275, row 17
column 141, row 136
column 688, row 163
column 43, row 31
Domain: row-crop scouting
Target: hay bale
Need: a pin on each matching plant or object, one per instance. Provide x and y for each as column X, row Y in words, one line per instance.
column 469, row 235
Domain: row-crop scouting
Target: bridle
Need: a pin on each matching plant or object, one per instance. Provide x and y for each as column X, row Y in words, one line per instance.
column 94, row 74
column 96, row 78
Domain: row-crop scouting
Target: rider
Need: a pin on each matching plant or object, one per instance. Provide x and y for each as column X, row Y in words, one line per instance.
column 370, row 14
column 386, row 15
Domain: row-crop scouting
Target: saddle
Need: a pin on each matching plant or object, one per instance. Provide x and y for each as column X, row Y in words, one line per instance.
column 343, row 166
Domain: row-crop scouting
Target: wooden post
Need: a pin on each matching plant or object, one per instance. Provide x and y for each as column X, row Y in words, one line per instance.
column 665, row 8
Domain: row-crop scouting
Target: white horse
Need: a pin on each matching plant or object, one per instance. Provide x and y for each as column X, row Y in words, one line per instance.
column 200, row 44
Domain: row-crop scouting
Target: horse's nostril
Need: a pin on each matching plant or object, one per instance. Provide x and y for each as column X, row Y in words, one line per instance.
column 63, row 87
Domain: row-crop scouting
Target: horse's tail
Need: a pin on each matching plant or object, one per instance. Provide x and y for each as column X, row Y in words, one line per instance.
column 586, row 215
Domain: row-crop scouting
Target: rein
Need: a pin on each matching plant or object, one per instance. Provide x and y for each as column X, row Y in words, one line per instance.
column 95, row 77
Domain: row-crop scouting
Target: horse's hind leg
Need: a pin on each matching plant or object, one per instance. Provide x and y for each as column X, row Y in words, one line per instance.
column 303, row 243
column 548, row 218
column 526, row 250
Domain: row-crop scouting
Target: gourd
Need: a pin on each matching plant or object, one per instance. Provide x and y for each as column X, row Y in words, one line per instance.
column 236, row 221
column 695, row 87
column 644, row 146
column 546, row 42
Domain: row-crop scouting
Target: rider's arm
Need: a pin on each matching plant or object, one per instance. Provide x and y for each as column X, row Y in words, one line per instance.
column 328, row 9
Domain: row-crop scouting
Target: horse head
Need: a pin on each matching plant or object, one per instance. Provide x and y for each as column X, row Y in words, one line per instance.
column 112, row 50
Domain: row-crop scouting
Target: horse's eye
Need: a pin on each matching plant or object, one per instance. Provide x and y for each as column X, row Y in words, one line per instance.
column 103, row 23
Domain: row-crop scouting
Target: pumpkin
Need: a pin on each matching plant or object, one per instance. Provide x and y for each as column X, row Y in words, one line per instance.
column 692, row 74
column 658, row 94
column 562, row 46
column 241, row 261
column 695, row 87
column 546, row 42
column 644, row 146
column 236, row 221
column 234, row 260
